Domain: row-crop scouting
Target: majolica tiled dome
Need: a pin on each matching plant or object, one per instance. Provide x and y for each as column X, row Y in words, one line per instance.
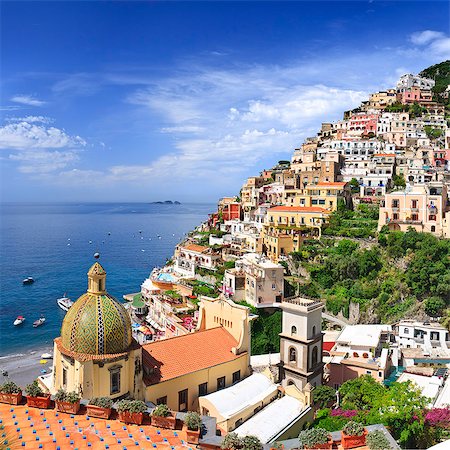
column 96, row 324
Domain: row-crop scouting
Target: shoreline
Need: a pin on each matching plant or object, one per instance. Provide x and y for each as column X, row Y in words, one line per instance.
column 24, row 368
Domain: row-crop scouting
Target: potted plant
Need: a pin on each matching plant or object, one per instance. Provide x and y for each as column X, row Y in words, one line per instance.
column 276, row 446
column 36, row 397
column 10, row 393
column 376, row 440
column 131, row 411
column 231, row 442
column 100, row 407
column 353, row 435
column 192, row 426
column 67, row 402
column 316, row 438
column 251, row 443
column 163, row 417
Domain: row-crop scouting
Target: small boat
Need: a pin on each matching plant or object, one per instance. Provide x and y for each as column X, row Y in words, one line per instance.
column 19, row 320
column 64, row 303
column 28, row 280
column 39, row 322
column 46, row 356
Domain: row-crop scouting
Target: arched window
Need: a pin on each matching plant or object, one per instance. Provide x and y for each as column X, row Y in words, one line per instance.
column 314, row 330
column 290, row 383
column 293, row 330
column 292, row 355
column 314, row 356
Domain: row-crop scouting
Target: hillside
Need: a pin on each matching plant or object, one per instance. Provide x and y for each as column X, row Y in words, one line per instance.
column 440, row 73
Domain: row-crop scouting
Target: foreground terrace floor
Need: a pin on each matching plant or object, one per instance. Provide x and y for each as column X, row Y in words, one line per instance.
column 33, row 428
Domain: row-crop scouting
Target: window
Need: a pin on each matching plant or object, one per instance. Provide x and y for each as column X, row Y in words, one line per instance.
column 433, row 228
column 115, row 381
column 314, row 356
column 161, row 400
column 220, row 383
column 202, row 389
column 64, row 377
column 432, row 217
column 238, row 423
column 380, row 374
column 293, row 330
column 368, row 372
column 314, row 330
column 406, row 331
column 292, row 355
column 395, row 216
column 183, row 400
column 236, row 376
column 414, row 217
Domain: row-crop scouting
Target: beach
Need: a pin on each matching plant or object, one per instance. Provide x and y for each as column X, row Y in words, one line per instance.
column 25, row 367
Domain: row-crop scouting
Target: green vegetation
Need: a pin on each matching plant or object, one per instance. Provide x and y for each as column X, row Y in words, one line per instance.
column 414, row 110
column 399, row 181
column 323, row 396
column 400, row 407
column 440, row 73
column 433, row 133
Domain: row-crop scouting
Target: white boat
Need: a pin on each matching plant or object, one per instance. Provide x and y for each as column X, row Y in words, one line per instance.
column 19, row 320
column 28, row 280
column 64, row 303
column 39, row 322
column 46, row 356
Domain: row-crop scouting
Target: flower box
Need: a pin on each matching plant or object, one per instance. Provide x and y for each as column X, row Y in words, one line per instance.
column 39, row 402
column 129, row 417
column 327, row 446
column 164, row 422
column 98, row 411
column 191, row 436
column 66, row 407
column 12, row 399
column 348, row 441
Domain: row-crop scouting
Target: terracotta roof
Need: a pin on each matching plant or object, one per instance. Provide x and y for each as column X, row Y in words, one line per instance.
column 385, row 154
column 85, row 357
column 305, row 209
column 180, row 355
column 331, row 184
column 195, row 248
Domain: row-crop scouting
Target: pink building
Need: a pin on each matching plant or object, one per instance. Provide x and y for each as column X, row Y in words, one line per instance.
column 363, row 124
column 416, row 95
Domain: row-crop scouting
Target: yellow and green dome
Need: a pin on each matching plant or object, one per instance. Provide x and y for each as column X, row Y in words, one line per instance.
column 96, row 324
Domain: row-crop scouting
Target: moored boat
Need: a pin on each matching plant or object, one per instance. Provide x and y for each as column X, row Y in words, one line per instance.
column 64, row 303
column 39, row 322
column 19, row 320
column 28, row 280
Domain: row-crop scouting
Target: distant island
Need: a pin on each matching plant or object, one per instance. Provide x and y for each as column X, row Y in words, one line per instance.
column 167, row 202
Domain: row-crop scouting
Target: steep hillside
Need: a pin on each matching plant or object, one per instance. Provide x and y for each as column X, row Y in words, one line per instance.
column 440, row 73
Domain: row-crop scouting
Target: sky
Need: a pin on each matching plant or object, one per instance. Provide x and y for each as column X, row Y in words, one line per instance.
column 147, row 101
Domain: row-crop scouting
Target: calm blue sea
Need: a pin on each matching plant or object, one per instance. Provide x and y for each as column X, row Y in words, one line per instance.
column 35, row 242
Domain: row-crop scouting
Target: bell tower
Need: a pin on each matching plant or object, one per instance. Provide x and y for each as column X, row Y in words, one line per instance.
column 301, row 341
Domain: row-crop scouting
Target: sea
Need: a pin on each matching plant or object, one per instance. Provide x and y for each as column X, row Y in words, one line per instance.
column 55, row 244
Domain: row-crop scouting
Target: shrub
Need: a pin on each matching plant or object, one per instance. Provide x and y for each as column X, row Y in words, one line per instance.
column 33, row 390
column 131, row 406
column 232, row 441
column 69, row 397
column 354, row 428
column 162, row 411
column 251, row 443
column 101, row 402
column 193, row 420
column 314, row 436
column 10, row 388
column 376, row 440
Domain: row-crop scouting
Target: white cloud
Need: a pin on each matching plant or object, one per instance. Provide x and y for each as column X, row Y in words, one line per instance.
column 28, row 100
column 183, row 129
column 42, row 162
column 425, row 37
column 31, row 119
column 27, row 135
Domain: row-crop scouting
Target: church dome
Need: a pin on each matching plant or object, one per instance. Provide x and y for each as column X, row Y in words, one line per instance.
column 96, row 324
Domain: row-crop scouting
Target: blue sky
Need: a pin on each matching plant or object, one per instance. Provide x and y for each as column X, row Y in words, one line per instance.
column 144, row 101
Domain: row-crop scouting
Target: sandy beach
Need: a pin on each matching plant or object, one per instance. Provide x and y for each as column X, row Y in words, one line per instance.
column 25, row 367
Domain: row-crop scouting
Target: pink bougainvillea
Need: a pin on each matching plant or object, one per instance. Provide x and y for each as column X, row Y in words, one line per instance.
column 347, row 413
column 439, row 417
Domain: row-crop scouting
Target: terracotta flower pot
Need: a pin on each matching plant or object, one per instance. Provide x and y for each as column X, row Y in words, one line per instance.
column 12, row 399
column 129, row 417
column 191, row 436
column 39, row 402
column 348, row 441
column 164, row 422
column 327, row 446
column 98, row 411
column 69, row 408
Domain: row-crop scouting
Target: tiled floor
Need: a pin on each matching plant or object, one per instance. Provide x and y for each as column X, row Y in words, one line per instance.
column 32, row 428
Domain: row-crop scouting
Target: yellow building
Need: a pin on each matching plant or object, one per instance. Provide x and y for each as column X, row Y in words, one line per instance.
column 179, row 370
column 286, row 226
column 96, row 354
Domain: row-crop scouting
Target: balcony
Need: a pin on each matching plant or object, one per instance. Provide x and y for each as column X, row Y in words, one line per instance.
column 414, row 209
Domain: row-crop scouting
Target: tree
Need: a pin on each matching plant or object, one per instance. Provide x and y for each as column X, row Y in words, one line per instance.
column 361, row 393
column 354, row 185
column 433, row 133
column 323, row 395
column 434, row 306
column 399, row 181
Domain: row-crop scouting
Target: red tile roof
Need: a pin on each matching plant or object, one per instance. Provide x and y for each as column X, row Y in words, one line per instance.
column 385, row 154
column 333, row 184
column 304, row 209
column 195, row 248
column 177, row 356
